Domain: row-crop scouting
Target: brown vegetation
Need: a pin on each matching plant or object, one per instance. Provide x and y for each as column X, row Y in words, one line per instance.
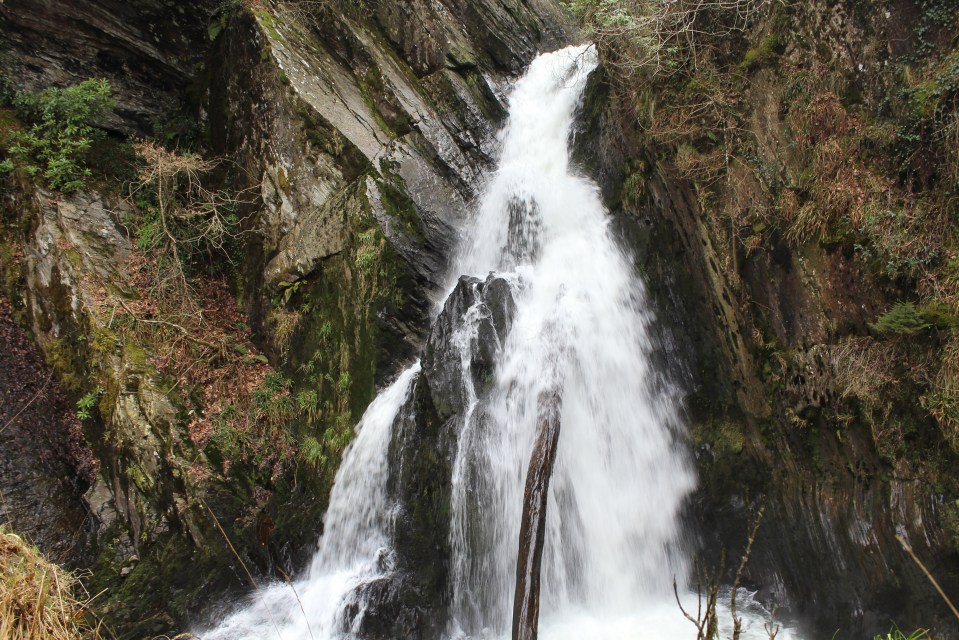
column 37, row 598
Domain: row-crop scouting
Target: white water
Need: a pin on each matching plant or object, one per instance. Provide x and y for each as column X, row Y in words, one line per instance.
column 613, row 544
column 353, row 548
column 620, row 477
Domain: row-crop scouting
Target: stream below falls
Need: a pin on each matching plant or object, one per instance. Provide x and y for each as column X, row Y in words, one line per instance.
column 578, row 328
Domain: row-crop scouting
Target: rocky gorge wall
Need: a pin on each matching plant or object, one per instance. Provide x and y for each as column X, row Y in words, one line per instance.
column 361, row 130
column 772, row 318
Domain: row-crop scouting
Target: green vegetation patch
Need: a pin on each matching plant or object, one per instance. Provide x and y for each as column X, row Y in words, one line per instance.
column 61, row 130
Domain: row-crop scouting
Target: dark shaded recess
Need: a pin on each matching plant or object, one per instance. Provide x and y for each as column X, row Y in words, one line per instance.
column 45, row 466
column 149, row 50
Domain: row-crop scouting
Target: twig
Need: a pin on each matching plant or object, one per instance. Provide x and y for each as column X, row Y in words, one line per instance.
column 298, row 601
column 915, row 558
column 216, row 521
column 24, row 408
column 186, row 333
column 681, row 608
column 771, row 627
column 738, row 622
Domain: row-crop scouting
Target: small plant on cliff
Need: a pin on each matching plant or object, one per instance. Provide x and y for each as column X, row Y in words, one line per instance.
column 62, row 130
column 86, row 404
column 903, row 319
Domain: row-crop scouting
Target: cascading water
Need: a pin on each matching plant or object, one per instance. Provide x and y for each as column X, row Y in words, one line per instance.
column 579, row 332
column 353, row 548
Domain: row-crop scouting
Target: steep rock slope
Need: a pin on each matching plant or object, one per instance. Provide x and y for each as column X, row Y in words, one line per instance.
column 360, row 130
column 784, row 195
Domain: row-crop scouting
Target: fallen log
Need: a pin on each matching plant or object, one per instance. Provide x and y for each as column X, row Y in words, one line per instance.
column 532, row 534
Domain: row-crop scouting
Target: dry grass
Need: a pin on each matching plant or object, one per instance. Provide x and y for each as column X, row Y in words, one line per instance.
column 37, row 598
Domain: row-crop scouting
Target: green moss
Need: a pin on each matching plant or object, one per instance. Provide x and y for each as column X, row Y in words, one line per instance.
column 268, row 21
column 460, row 59
column 135, row 353
column 633, row 191
column 924, row 99
column 143, row 481
column 483, row 96
column 169, row 577
column 950, row 525
column 11, row 269
column 762, row 54
column 729, row 438
column 217, row 26
column 397, row 202
column 372, row 89
column 8, row 124
column 60, row 355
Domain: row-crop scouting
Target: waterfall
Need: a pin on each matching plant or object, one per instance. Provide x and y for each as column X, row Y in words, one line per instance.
column 353, row 548
column 580, row 329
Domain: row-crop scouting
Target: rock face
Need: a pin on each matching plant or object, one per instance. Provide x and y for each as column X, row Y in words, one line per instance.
column 385, row 115
column 149, row 51
column 360, row 129
column 755, row 332
column 143, row 494
column 414, row 602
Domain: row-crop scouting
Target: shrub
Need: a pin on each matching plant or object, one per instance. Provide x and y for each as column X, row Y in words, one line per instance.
column 61, row 131
column 903, row 319
column 661, row 37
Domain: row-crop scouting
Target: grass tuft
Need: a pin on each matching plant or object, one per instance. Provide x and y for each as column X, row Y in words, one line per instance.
column 38, row 598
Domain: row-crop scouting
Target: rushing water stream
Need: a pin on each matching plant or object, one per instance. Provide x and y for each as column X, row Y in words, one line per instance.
column 580, row 331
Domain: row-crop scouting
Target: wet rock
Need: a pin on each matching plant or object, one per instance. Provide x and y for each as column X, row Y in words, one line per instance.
column 488, row 308
column 148, row 50
column 381, row 609
column 472, row 326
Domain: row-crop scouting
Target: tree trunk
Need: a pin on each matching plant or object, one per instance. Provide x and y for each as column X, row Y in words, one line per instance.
column 532, row 532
